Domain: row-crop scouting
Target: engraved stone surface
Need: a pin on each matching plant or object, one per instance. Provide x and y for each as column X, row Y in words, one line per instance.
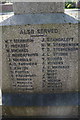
column 40, row 61
column 40, row 58
column 38, row 7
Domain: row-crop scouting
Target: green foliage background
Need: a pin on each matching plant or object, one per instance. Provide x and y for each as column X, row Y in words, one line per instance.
column 70, row 4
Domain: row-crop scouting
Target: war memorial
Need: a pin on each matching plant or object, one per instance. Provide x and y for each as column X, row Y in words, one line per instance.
column 40, row 62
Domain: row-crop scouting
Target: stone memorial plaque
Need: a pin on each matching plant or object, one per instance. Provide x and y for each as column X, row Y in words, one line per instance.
column 40, row 62
column 40, row 58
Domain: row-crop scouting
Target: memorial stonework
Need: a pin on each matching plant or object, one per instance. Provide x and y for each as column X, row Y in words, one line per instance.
column 37, row 59
column 40, row 61
column 38, row 7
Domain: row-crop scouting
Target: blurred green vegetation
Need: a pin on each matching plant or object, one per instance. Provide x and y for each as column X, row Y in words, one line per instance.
column 70, row 5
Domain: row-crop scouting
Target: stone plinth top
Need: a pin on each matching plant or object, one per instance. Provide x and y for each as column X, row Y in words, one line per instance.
column 38, row 7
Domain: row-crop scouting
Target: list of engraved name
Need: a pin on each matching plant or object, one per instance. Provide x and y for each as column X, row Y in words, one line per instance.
column 40, row 52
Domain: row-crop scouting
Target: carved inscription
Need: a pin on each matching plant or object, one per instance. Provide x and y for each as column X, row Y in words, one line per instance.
column 39, row 54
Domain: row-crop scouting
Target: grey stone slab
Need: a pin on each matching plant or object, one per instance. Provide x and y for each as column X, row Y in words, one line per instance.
column 38, row 7
column 53, row 112
column 48, row 18
column 55, row 38
column 40, row 61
